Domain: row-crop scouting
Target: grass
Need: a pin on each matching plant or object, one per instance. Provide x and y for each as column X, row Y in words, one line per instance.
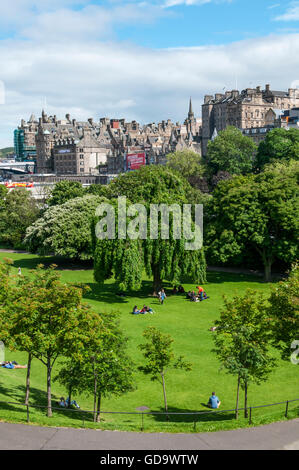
column 188, row 323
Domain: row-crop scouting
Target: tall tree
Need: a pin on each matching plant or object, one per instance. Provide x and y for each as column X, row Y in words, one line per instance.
column 159, row 358
column 162, row 257
column 242, row 340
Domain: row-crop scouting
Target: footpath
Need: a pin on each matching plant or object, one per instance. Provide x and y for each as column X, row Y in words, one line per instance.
column 275, row 436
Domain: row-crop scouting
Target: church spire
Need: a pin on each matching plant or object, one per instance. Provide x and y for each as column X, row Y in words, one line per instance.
column 190, row 114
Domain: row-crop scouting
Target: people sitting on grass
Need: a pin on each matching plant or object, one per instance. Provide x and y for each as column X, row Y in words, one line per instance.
column 144, row 310
column 181, row 289
column 12, row 365
column 214, row 401
column 66, row 403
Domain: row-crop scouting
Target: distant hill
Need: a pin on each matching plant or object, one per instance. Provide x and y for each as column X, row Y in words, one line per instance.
column 4, row 152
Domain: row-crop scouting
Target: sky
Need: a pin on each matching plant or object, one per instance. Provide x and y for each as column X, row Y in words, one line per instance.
column 137, row 59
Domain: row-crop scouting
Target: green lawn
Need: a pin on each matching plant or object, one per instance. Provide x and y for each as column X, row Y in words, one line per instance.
column 188, row 324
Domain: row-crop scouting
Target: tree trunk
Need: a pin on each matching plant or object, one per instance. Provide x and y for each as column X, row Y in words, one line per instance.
column 237, row 404
column 165, row 398
column 70, row 395
column 94, row 397
column 28, row 379
column 99, row 408
column 49, row 371
column 268, row 265
column 245, row 403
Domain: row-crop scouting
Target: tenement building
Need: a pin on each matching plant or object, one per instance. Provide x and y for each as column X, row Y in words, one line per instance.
column 252, row 108
column 70, row 147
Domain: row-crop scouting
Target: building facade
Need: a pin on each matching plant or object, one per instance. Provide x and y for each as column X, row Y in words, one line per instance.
column 249, row 109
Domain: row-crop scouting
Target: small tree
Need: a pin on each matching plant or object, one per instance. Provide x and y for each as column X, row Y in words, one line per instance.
column 160, row 358
column 105, row 371
column 242, row 339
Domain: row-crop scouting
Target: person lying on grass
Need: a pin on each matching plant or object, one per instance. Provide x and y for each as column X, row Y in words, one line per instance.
column 12, row 365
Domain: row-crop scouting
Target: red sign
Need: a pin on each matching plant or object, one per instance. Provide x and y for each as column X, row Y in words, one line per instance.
column 135, row 160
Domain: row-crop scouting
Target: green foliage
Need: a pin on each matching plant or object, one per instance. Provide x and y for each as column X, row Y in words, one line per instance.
column 65, row 230
column 64, row 191
column 163, row 259
column 104, row 371
column 284, row 311
column 19, row 211
column 279, row 145
column 159, row 357
column 231, row 152
column 46, row 318
column 97, row 190
column 6, row 151
column 242, row 339
column 258, row 211
column 188, row 163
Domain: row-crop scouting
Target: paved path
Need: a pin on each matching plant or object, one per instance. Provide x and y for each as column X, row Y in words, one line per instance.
column 275, row 436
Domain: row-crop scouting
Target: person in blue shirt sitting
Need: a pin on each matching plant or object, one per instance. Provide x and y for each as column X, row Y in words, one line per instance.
column 214, row 401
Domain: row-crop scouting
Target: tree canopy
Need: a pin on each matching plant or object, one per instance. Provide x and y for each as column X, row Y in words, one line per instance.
column 65, row 190
column 65, row 230
column 279, row 145
column 259, row 211
column 231, row 152
column 125, row 257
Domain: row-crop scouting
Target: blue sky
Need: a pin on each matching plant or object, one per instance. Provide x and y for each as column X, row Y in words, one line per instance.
column 139, row 59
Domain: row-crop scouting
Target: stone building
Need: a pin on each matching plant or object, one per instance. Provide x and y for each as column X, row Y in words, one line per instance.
column 252, row 108
column 67, row 146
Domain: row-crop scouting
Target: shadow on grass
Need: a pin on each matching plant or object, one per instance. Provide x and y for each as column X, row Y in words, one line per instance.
column 204, row 416
column 62, row 263
column 109, row 293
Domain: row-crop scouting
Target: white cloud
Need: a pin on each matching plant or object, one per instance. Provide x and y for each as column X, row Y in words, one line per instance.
column 292, row 13
column 96, row 79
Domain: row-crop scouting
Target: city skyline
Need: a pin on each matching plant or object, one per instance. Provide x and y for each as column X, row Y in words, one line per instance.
column 139, row 60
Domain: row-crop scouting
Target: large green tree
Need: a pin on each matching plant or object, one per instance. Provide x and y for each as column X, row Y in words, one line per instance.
column 279, row 145
column 259, row 212
column 231, row 152
column 18, row 212
column 163, row 256
column 65, row 230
